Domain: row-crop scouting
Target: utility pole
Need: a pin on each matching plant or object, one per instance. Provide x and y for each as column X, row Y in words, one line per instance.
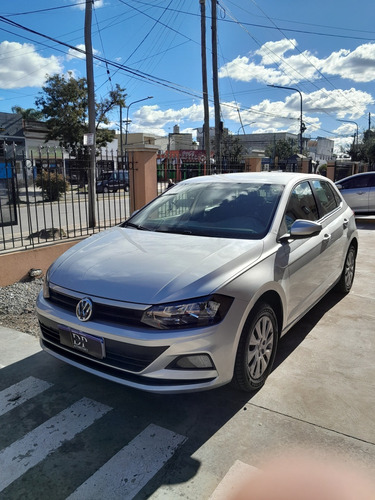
column 206, row 123
column 121, row 147
column 91, row 114
column 215, row 81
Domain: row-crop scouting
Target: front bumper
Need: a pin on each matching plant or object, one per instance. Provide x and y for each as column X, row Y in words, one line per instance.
column 141, row 358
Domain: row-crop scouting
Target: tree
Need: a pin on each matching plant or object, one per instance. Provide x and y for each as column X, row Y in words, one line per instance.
column 282, row 149
column 231, row 147
column 64, row 101
column 364, row 150
column 28, row 114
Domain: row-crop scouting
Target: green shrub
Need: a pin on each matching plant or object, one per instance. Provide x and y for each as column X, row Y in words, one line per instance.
column 52, row 184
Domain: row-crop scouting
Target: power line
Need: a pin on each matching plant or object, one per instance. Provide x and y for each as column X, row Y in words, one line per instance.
column 136, row 73
column 265, row 26
column 300, row 52
column 45, row 10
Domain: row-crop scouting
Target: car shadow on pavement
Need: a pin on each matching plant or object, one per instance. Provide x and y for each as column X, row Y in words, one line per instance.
column 296, row 335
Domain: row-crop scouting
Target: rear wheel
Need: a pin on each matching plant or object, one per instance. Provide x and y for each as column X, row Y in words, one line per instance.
column 257, row 349
column 348, row 272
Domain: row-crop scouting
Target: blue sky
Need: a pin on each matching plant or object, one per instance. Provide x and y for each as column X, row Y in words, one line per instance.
column 325, row 49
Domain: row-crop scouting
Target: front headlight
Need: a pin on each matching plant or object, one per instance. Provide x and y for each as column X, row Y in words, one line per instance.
column 190, row 314
column 46, row 294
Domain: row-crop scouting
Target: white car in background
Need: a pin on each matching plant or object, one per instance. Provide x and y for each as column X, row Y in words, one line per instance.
column 196, row 288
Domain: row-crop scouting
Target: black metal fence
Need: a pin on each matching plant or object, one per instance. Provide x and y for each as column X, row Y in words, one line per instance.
column 45, row 198
column 176, row 166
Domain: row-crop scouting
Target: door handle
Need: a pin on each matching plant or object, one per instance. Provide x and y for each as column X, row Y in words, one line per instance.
column 345, row 223
column 327, row 237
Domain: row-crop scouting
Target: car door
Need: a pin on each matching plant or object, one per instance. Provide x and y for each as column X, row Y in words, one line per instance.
column 335, row 225
column 356, row 192
column 307, row 266
column 371, row 196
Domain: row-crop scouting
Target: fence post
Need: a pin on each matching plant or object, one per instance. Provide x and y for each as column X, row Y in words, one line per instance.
column 143, row 175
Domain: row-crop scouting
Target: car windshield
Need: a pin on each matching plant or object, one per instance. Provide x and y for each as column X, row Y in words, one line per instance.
column 216, row 209
column 104, row 176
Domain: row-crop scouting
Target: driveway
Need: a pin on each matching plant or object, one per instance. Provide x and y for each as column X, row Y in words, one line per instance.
column 319, row 395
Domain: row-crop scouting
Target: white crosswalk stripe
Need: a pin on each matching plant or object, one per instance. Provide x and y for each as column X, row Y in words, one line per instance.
column 35, row 446
column 127, row 472
column 19, row 393
column 123, row 476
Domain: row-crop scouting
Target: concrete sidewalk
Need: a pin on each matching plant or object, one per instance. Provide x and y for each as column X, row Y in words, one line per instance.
column 320, row 393
column 16, row 346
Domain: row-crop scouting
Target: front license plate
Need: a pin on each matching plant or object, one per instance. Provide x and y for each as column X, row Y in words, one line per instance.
column 84, row 342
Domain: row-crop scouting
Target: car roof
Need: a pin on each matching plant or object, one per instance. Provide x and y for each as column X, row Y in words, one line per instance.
column 355, row 175
column 281, row 178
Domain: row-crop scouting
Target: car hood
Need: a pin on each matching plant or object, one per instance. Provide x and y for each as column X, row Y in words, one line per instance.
column 148, row 267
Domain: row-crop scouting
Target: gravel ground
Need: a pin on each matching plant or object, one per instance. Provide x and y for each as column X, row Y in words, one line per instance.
column 17, row 306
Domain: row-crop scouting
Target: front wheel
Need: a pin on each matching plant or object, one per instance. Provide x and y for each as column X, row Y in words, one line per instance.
column 256, row 349
column 345, row 283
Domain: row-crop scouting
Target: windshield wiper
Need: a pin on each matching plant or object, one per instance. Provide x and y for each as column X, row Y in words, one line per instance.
column 136, row 226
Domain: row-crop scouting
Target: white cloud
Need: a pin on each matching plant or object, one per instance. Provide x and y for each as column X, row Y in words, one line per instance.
column 277, row 68
column 77, row 54
column 152, row 117
column 285, row 114
column 358, row 65
column 22, row 66
column 81, row 4
column 350, row 103
column 346, row 129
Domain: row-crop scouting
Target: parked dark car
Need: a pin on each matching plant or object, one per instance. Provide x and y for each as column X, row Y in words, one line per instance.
column 359, row 192
column 113, row 181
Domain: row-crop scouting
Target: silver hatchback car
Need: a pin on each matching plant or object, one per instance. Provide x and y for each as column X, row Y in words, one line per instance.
column 195, row 289
column 359, row 192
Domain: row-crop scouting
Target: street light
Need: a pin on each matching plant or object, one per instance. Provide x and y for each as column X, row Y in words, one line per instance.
column 243, row 127
column 355, row 123
column 127, row 124
column 127, row 115
column 302, row 125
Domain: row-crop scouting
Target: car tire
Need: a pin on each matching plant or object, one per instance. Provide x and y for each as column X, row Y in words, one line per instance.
column 257, row 349
column 345, row 283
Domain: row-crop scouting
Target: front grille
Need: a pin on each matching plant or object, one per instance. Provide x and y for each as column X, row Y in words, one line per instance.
column 126, row 376
column 119, row 355
column 101, row 312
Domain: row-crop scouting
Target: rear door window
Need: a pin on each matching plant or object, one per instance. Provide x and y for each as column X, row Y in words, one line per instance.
column 328, row 199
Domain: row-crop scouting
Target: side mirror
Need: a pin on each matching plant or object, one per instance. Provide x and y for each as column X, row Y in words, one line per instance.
column 339, row 186
column 302, row 229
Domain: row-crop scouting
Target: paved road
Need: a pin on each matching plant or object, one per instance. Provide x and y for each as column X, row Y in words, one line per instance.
column 69, row 214
column 66, row 434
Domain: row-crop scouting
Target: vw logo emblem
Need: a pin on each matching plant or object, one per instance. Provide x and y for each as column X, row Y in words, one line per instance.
column 84, row 309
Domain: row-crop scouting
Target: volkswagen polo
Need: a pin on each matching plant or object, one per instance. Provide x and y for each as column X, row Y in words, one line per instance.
column 195, row 289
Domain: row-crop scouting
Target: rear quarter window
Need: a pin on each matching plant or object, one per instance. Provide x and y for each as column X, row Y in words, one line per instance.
column 327, row 197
